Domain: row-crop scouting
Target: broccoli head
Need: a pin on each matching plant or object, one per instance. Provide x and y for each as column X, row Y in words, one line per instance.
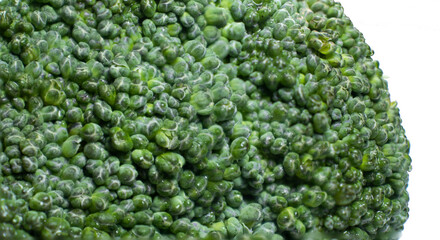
column 195, row 119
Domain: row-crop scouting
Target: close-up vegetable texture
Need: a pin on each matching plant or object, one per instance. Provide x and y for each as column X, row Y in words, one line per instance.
column 195, row 119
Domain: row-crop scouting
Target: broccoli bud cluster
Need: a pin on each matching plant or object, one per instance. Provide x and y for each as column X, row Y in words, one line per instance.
column 195, row 119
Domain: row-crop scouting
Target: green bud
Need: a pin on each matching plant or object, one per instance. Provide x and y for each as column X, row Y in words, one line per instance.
column 143, row 158
column 120, row 140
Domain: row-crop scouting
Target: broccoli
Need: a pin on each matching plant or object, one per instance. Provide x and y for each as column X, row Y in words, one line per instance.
column 195, row 119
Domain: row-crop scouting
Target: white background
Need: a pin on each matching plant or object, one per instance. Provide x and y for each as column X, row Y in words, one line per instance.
column 405, row 36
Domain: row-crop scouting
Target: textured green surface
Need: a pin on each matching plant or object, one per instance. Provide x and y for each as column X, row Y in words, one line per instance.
column 195, row 119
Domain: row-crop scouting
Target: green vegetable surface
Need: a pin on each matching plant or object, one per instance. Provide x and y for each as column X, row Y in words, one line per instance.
column 195, row 119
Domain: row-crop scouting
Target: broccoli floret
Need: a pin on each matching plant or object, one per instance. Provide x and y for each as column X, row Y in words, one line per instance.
column 195, row 119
